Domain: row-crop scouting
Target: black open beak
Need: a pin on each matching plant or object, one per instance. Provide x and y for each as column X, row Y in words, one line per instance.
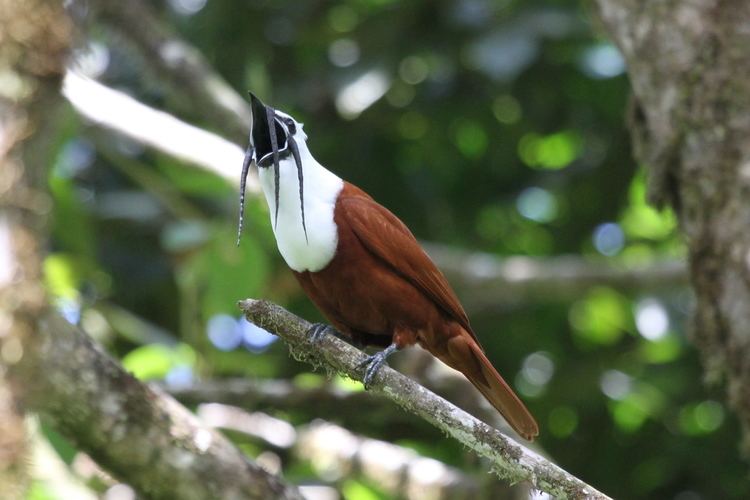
column 268, row 140
column 268, row 135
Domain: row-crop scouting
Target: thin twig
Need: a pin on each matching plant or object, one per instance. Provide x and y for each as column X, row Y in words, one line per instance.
column 509, row 460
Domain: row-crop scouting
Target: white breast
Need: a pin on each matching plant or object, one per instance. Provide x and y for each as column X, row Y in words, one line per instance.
column 322, row 188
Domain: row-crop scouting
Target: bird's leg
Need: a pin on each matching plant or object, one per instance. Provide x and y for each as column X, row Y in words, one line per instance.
column 374, row 362
column 319, row 330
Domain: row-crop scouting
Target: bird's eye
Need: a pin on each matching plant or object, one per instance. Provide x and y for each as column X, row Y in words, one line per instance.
column 291, row 126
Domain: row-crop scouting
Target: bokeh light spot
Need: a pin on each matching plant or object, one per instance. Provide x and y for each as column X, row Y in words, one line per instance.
column 602, row 61
column 361, row 93
column 343, row 52
column 179, row 376
column 343, row 18
column 652, row 319
column 615, row 384
column 507, row 109
column 538, row 368
column 92, row 60
column 609, row 239
column 187, row 7
column 256, row 338
column 550, row 152
column 537, row 204
column 413, row 70
column 223, row 332
column 471, row 139
column 563, row 420
column 701, row 418
column 601, row 317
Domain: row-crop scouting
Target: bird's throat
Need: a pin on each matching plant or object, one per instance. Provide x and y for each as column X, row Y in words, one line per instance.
column 313, row 249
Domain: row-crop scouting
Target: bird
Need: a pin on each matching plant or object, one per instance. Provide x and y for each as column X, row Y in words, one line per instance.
column 361, row 266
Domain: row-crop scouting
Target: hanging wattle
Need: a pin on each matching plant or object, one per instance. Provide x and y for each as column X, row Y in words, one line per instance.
column 295, row 152
column 243, row 182
column 292, row 144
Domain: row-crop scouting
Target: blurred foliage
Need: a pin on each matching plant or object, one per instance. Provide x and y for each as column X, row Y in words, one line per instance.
column 493, row 126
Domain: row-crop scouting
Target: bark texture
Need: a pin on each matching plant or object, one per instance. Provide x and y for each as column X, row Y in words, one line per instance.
column 689, row 63
column 141, row 435
column 508, row 459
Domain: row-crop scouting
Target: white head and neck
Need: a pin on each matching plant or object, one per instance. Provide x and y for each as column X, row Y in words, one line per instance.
column 300, row 192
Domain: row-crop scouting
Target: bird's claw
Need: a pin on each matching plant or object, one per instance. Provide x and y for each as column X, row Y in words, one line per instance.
column 373, row 363
column 317, row 332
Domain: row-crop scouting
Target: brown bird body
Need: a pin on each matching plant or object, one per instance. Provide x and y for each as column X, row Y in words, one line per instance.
column 361, row 265
column 382, row 288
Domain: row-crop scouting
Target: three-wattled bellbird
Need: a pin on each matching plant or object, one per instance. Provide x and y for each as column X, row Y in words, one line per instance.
column 361, row 265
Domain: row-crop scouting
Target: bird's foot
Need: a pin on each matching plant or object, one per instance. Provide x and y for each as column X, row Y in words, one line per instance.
column 374, row 362
column 318, row 331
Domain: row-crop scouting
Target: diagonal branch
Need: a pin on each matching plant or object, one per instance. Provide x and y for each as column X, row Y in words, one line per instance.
column 509, row 460
column 115, row 110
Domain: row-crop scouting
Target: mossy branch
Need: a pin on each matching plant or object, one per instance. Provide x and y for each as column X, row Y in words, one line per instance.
column 509, row 460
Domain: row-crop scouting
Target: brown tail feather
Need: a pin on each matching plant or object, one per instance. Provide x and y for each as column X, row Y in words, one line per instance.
column 466, row 356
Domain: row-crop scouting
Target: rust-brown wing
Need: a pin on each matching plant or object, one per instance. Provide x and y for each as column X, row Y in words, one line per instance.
column 385, row 236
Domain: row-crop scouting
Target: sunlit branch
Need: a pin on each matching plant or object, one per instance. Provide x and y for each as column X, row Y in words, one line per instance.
column 178, row 64
column 115, row 110
column 510, row 460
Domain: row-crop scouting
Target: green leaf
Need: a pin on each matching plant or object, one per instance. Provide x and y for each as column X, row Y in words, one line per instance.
column 602, row 317
column 563, row 420
column 471, row 139
column 550, row 152
column 154, row 361
column 701, row 418
column 62, row 275
column 72, row 226
column 228, row 273
column 358, row 490
column 664, row 350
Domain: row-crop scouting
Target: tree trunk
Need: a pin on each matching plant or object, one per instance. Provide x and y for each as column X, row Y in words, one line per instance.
column 689, row 63
column 34, row 42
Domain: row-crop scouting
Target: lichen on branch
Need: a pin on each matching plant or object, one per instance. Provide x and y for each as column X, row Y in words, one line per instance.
column 508, row 459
